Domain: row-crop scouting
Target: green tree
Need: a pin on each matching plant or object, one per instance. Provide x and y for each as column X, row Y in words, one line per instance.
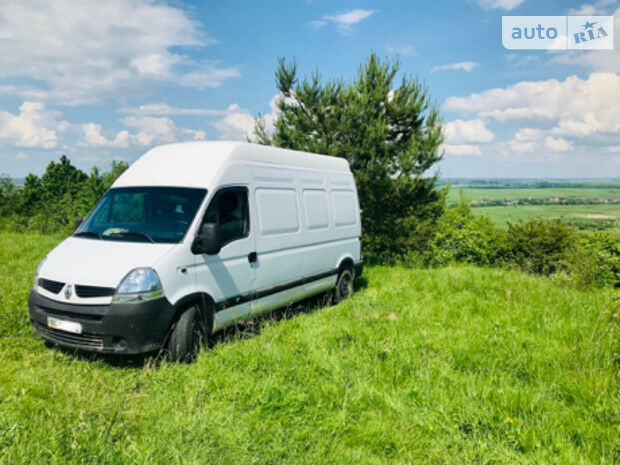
column 118, row 168
column 30, row 196
column 62, row 178
column 8, row 196
column 390, row 134
column 52, row 202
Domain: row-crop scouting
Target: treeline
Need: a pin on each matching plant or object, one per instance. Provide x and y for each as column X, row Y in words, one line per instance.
column 52, row 202
column 530, row 183
column 541, row 201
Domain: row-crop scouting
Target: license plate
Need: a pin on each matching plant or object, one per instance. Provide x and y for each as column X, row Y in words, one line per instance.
column 64, row 325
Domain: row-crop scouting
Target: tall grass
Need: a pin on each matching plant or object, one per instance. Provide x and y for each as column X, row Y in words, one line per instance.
column 452, row 365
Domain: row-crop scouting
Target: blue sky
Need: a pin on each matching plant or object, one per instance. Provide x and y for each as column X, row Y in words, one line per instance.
column 108, row 80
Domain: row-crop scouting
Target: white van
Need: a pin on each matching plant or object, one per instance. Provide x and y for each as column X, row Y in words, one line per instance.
column 193, row 237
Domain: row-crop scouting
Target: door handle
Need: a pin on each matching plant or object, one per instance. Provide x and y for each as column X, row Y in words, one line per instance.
column 252, row 257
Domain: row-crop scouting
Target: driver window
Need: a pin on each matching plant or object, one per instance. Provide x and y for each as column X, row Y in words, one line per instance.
column 229, row 209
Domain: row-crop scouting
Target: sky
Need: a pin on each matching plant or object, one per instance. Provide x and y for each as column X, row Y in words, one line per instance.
column 102, row 81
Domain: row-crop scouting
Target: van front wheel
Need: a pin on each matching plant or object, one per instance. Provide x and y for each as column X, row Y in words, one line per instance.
column 185, row 337
column 344, row 285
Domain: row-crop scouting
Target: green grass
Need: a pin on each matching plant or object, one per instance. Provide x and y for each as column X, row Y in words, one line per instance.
column 454, row 195
column 453, row 365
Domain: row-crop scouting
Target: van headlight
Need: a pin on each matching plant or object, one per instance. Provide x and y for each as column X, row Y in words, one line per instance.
column 36, row 272
column 139, row 285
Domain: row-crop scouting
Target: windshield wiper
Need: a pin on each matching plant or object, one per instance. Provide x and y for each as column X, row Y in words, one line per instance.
column 134, row 234
column 88, row 234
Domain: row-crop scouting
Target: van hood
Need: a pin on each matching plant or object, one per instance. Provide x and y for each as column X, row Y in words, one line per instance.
column 95, row 262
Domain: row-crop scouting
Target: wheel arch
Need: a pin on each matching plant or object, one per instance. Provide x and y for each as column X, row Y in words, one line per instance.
column 345, row 262
column 205, row 304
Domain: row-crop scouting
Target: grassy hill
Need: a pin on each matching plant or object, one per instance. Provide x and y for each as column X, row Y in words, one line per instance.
column 453, row 365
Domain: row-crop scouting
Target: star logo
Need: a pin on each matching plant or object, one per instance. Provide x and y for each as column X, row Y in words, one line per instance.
column 589, row 25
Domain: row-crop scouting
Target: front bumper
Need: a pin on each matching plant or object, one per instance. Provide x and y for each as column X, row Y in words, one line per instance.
column 123, row 328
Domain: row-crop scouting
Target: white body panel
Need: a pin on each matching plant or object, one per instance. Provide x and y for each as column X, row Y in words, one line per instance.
column 304, row 220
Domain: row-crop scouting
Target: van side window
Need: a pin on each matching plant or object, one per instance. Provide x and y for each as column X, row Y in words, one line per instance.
column 229, row 209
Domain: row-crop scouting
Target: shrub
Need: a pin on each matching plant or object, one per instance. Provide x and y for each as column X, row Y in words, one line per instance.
column 598, row 262
column 465, row 238
column 541, row 246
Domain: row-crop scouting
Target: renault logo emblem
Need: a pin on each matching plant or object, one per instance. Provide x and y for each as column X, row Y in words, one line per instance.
column 68, row 291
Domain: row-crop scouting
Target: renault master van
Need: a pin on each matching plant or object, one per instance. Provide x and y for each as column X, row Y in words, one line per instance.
column 193, row 237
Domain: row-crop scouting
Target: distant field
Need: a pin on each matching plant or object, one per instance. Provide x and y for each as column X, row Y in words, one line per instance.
column 589, row 216
column 502, row 215
column 541, row 193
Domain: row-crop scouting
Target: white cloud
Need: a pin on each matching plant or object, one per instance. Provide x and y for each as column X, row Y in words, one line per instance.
column 576, row 106
column 522, row 146
column 536, row 143
column 344, row 21
column 462, row 149
column 34, row 126
column 567, row 121
column 238, row 124
column 529, row 134
column 467, row 66
column 163, row 109
column 501, row 4
column 94, row 138
column 208, row 76
column 87, row 51
column 151, row 131
column 600, row 7
column 318, row 23
column 475, row 130
column 22, row 156
column 558, row 144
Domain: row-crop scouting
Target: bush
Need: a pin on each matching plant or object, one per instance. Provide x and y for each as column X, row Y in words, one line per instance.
column 541, row 246
column 597, row 263
column 465, row 238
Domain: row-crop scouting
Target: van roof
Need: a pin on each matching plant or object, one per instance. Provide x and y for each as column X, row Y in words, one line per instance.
column 196, row 164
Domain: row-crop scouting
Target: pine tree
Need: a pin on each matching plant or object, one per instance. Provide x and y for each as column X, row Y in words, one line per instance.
column 391, row 137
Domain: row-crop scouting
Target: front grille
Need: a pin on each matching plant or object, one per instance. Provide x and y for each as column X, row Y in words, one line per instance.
column 51, row 286
column 63, row 337
column 71, row 314
column 93, row 291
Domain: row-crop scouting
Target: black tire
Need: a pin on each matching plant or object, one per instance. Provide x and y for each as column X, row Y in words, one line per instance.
column 186, row 337
column 344, row 285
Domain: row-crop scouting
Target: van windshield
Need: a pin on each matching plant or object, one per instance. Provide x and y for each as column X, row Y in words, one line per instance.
column 143, row 214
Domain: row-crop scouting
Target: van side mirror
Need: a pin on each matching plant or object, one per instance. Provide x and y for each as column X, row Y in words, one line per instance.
column 207, row 240
column 78, row 222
